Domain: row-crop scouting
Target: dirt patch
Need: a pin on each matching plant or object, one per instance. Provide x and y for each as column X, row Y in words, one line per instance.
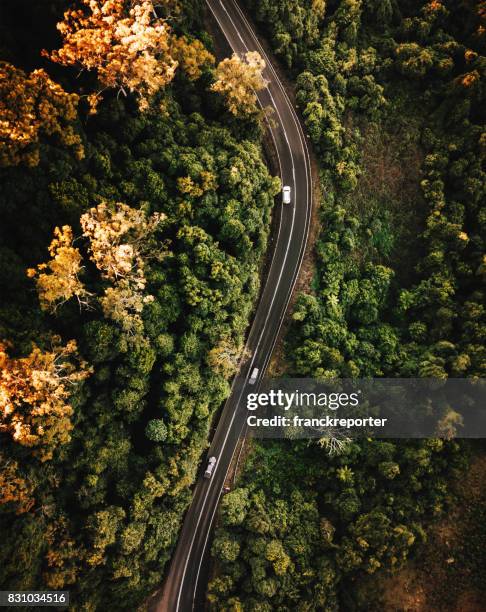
column 391, row 159
column 470, row 602
column 242, row 452
column 405, row 589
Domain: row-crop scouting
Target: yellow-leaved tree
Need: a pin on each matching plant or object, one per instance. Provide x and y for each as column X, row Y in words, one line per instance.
column 237, row 79
column 58, row 279
column 32, row 106
column 35, row 392
column 129, row 46
column 120, row 238
column 120, row 242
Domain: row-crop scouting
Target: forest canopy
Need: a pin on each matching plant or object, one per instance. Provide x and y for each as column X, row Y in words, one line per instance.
column 135, row 211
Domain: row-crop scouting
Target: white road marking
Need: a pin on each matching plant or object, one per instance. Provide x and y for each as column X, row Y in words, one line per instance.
column 293, row 175
column 308, row 172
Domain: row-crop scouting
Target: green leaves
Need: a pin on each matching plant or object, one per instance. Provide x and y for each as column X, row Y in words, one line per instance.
column 156, row 430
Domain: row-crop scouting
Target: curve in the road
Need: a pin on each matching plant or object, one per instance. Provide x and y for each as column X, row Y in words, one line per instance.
column 181, row 584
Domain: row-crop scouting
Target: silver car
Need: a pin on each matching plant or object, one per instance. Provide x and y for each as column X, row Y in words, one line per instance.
column 210, row 468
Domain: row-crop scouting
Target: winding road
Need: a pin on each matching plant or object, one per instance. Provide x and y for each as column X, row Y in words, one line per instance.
column 187, row 567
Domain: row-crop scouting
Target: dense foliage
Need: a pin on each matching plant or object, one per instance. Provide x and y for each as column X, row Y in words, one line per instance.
column 143, row 258
column 130, row 244
column 30, row 106
column 413, row 72
column 392, row 95
column 302, row 527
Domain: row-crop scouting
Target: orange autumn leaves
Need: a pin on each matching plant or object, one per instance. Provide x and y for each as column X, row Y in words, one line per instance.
column 133, row 50
column 14, row 489
column 35, row 409
column 129, row 47
column 33, row 105
column 125, row 43
column 34, row 394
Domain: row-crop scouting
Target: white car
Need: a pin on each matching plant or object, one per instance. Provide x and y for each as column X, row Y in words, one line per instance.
column 254, row 376
column 210, row 468
column 286, row 191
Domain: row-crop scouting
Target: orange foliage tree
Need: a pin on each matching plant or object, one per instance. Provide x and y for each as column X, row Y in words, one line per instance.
column 129, row 46
column 32, row 106
column 34, row 394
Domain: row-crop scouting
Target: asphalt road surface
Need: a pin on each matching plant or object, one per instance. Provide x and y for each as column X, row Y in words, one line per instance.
column 186, row 572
